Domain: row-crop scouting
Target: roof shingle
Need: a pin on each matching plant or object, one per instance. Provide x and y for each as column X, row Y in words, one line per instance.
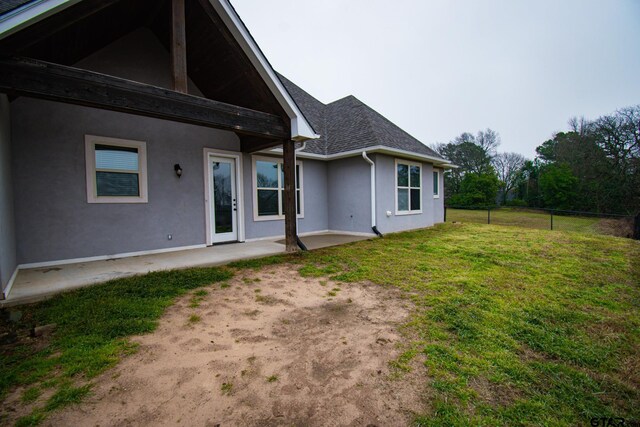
column 350, row 124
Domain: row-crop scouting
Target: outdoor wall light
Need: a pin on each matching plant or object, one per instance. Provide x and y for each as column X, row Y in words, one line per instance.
column 178, row 170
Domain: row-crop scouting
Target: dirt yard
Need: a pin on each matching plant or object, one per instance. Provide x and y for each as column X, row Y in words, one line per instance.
column 272, row 348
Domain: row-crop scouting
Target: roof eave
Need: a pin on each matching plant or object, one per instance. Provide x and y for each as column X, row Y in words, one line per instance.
column 30, row 13
column 439, row 162
column 301, row 130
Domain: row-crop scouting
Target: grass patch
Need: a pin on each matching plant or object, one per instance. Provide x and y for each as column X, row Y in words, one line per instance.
column 93, row 326
column 516, row 326
column 226, row 388
column 272, row 378
column 31, row 394
column 194, row 318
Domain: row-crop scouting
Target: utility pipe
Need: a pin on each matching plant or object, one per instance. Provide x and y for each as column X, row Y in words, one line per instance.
column 373, row 193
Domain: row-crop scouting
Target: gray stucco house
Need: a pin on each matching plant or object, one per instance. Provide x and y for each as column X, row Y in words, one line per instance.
column 129, row 128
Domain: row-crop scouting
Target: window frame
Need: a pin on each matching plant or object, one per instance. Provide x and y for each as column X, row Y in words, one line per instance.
column 280, row 188
column 408, row 187
column 90, row 142
column 436, row 173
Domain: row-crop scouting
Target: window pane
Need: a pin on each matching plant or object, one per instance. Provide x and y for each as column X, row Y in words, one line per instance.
column 435, row 184
column 267, row 202
column 403, row 199
column 117, row 184
column 415, row 176
column 403, row 175
column 267, row 174
column 117, row 158
column 298, row 201
column 298, row 176
column 415, row 199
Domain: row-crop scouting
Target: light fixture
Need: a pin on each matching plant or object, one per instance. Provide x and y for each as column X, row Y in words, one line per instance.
column 178, row 170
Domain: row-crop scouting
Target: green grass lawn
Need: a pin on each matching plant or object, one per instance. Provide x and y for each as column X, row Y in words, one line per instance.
column 530, row 219
column 515, row 326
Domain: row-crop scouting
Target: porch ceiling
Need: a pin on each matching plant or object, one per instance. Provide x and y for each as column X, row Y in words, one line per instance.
column 215, row 62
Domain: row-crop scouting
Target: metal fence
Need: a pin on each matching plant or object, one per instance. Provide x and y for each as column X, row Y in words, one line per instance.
column 548, row 219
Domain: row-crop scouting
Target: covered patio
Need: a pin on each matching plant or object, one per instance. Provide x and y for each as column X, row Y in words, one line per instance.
column 36, row 284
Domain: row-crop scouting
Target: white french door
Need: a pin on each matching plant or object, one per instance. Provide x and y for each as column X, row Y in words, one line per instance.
column 223, row 199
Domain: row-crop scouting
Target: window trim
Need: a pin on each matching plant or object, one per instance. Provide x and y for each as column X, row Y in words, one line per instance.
column 436, row 173
column 254, row 188
column 90, row 142
column 395, row 173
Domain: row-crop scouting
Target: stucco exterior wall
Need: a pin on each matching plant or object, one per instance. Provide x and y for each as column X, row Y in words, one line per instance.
column 432, row 208
column 54, row 220
column 7, row 223
column 349, row 198
column 314, row 178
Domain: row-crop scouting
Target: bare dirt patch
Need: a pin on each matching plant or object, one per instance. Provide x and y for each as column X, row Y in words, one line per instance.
column 275, row 351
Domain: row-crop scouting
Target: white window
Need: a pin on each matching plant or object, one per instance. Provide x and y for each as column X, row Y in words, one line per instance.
column 268, row 184
column 116, row 170
column 408, row 187
column 436, row 184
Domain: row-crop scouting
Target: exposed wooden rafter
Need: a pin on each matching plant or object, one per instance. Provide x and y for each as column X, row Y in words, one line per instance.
column 178, row 47
column 20, row 76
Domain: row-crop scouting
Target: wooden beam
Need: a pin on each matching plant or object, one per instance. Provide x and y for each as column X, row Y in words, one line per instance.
column 38, row 79
column 178, row 47
column 290, row 232
column 251, row 144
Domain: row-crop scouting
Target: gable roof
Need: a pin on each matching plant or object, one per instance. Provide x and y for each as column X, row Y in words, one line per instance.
column 350, row 125
column 19, row 15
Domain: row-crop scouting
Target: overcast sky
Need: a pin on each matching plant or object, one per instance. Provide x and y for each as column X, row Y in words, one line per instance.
column 440, row 68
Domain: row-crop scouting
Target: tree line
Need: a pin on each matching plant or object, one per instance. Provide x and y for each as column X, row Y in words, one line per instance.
column 593, row 166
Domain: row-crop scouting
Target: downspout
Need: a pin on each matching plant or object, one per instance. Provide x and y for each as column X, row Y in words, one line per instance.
column 295, row 152
column 373, row 193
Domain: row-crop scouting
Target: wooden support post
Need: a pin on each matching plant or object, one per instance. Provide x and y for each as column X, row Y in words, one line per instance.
column 290, row 232
column 178, row 47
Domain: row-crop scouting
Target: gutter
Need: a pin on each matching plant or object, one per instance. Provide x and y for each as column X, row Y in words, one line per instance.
column 373, row 193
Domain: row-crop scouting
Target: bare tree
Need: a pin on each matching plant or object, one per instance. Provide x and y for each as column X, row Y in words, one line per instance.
column 508, row 166
column 489, row 141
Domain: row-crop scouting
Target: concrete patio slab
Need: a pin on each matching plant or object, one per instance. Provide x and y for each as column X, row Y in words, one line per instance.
column 39, row 283
column 317, row 241
column 36, row 284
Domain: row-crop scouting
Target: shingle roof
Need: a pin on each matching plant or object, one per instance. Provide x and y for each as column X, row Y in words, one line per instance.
column 350, row 124
column 9, row 5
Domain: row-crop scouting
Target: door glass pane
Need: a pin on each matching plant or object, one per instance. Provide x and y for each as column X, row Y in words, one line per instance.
column 435, row 183
column 116, row 158
column 415, row 199
column 403, row 199
column 267, row 202
column 298, row 201
column 403, row 175
column 117, row 184
column 222, row 197
column 415, row 176
column 267, row 174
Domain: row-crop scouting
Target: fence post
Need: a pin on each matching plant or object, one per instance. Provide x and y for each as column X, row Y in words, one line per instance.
column 552, row 219
column 488, row 215
column 636, row 227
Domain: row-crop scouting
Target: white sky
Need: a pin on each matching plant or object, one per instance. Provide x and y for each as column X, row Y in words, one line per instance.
column 440, row 68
